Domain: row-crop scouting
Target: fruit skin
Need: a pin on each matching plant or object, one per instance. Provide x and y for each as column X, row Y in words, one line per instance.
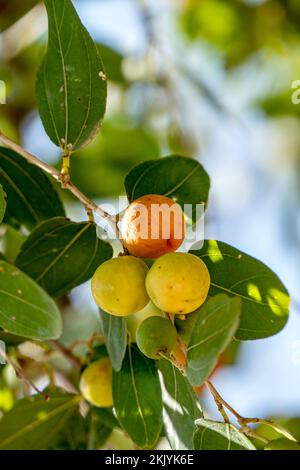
column 178, row 283
column 167, row 229
column 282, row 444
column 96, row 383
column 134, row 321
column 118, row 285
column 155, row 335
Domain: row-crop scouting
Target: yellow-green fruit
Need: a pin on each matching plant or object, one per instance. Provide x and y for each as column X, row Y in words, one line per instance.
column 118, row 285
column 156, row 335
column 282, row 444
column 178, row 283
column 134, row 321
column 96, row 383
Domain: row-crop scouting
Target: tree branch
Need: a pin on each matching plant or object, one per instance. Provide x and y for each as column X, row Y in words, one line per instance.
column 221, row 402
column 65, row 182
column 243, row 422
column 21, row 374
column 222, row 406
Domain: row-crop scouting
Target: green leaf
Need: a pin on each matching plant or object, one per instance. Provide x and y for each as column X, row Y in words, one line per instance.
column 34, row 423
column 2, row 203
column 185, row 327
column 25, row 308
column 181, row 407
column 216, row 323
column 31, row 196
column 11, row 242
column 212, row 435
column 282, row 444
column 137, row 398
column 99, row 432
column 106, row 417
column 289, row 425
column 82, row 433
column 265, row 301
column 114, row 330
column 71, row 83
column 60, row 254
column 180, row 178
column 11, row 340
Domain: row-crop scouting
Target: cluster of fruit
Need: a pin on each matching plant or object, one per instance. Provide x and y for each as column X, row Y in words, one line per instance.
column 175, row 284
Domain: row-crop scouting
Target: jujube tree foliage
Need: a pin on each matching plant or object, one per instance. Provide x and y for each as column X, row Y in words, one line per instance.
column 166, row 317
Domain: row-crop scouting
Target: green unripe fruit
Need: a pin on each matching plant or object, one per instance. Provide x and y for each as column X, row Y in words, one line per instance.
column 282, row 444
column 134, row 321
column 178, row 283
column 118, row 285
column 156, row 335
column 96, row 383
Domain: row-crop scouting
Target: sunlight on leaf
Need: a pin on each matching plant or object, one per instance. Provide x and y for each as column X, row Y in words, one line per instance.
column 253, row 292
column 42, row 415
column 6, row 399
column 213, row 252
column 279, row 302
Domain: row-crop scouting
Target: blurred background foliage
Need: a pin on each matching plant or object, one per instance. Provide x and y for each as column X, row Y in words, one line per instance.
column 211, row 79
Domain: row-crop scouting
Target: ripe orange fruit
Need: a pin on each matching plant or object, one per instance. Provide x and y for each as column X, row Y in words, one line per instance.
column 152, row 226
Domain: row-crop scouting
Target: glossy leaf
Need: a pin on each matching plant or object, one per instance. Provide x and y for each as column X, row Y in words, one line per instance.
column 31, row 196
column 98, row 431
column 71, row 84
column 82, row 433
column 11, row 241
column 2, row 203
column 284, row 427
column 181, row 407
column 34, row 423
column 137, row 398
column 106, row 417
column 216, row 323
column 25, row 309
column 265, row 300
column 185, row 327
column 11, row 340
column 60, row 254
column 114, row 330
column 282, row 444
column 212, row 435
column 180, row 178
